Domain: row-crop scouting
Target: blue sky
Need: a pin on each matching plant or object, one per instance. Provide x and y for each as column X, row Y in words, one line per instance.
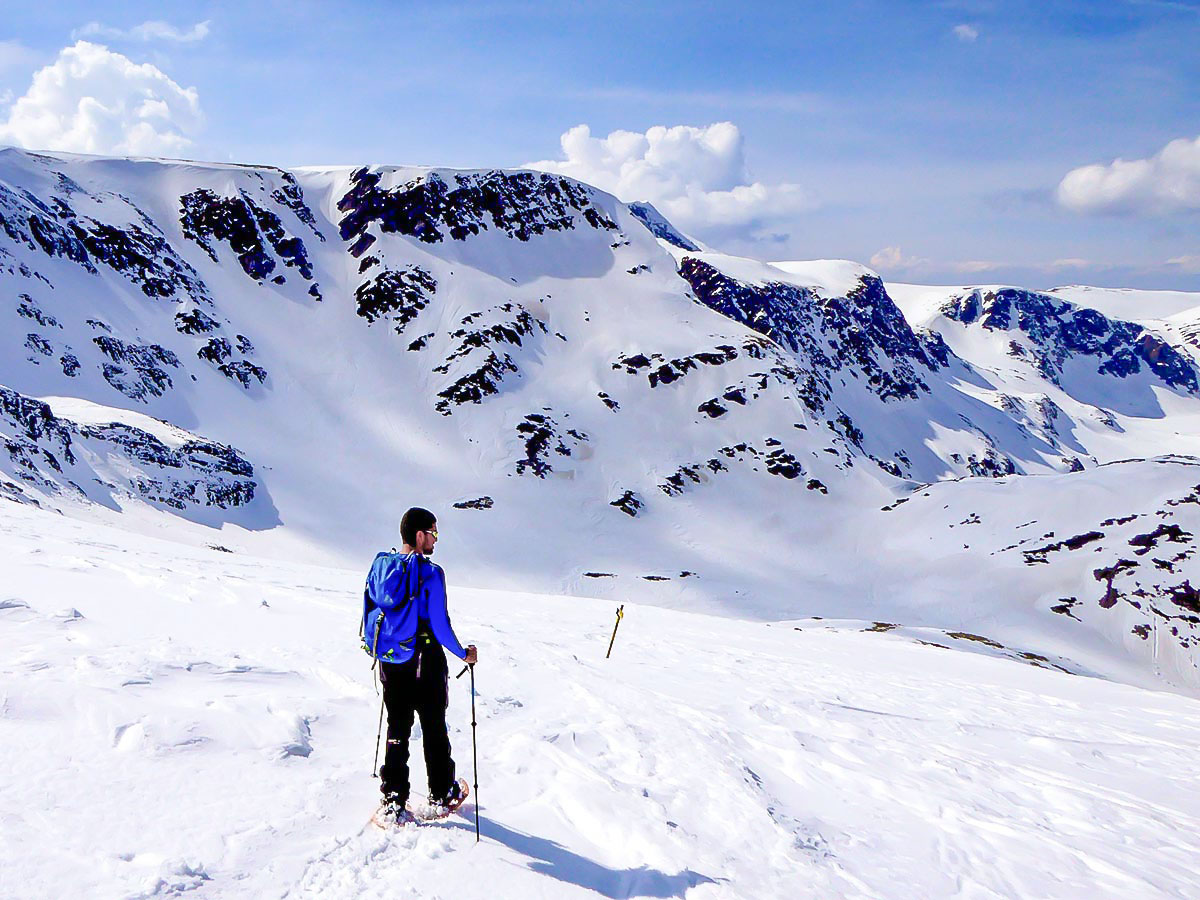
column 931, row 140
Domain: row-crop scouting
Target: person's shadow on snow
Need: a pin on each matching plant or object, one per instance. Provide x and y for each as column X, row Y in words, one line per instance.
column 558, row 862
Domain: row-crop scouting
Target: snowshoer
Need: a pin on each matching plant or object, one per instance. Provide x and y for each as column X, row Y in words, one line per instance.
column 405, row 627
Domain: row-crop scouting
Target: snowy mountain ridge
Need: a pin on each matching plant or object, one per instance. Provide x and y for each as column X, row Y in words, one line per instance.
column 591, row 400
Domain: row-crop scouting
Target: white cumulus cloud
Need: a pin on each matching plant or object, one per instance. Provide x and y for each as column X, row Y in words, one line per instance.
column 892, row 259
column 92, row 100
column 696, row 177
column 967, row 33
column 1165, row 183
column 147, row 31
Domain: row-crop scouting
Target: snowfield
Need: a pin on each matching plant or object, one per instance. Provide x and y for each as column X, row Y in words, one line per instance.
column 179, row 721
column 910, row 572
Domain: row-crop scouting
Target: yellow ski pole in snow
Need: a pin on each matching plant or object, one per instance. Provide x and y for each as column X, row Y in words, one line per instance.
column 620, row 616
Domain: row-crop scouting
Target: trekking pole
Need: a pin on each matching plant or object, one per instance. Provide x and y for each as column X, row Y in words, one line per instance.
column 378, row 736
column 474, row 748
column 620, row 616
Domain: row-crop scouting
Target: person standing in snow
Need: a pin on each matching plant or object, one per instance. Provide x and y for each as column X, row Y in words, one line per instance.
column 405, row 626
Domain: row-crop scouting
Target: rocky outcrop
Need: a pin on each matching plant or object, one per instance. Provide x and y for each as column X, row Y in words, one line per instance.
column 864, row 332
column 1054, row 331
column 430, row 209
column 43, row 452
column 255, row 234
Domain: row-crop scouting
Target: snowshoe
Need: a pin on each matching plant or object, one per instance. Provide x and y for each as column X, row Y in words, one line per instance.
column 440, row 807
column 393, row 814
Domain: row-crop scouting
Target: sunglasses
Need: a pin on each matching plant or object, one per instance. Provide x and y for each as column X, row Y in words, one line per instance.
column 432, row 531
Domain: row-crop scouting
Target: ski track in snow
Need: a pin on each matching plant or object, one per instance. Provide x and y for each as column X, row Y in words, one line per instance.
column 180, row 722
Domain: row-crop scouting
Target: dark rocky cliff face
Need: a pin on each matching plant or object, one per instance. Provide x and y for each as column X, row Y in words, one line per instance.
column 43, row 450
column 1057, row 331
column 864, row 331
column 521, row 205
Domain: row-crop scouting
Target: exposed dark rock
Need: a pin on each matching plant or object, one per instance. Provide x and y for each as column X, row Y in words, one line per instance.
column 195, row 321
column 780, row 462
column 992, row 464
column 977, row 638
column 247, row 228
column 1119, row 521
column 660, row 227
column 216, row 351
column 488, row 365
column 38, row 344
column 478, row 503
column 520, row 204
column 1064, row 607
column 290, row 195
column 397, row 293
column 864, row 332
column 1072, row 543
column 29, row 310
column 42, row 446
column 1111, row 594
column 143, row 257
column 1057, row 330
column 1186, row 596
column 136, row 369
column 543, row 438
column 70, row 364
column 1147, row 542
column 608, row 401
column 244, row 372
column 629, row 503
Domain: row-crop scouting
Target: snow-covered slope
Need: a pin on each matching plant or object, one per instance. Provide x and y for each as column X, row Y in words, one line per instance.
column 279, row 363
column 180, row 721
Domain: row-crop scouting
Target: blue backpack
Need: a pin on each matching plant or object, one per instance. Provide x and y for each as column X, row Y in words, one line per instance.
column 389, row 621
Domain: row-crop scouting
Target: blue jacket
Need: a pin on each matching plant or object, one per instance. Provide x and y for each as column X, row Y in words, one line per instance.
column 404, row 591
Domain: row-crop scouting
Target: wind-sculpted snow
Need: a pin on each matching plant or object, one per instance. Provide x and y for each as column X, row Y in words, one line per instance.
column 1056, row 331
column 50, row 456
column 520, row 204
column 1123, row 564
column 222, row 734
column 525, row 339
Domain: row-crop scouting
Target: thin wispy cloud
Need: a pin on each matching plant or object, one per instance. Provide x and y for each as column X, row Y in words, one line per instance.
column 14, row 55
column 153, row 30
column 801, row 102
column 966, row 33
column 1189, row 263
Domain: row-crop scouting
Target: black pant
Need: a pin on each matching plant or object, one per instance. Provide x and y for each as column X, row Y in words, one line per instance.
column 421, row 686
